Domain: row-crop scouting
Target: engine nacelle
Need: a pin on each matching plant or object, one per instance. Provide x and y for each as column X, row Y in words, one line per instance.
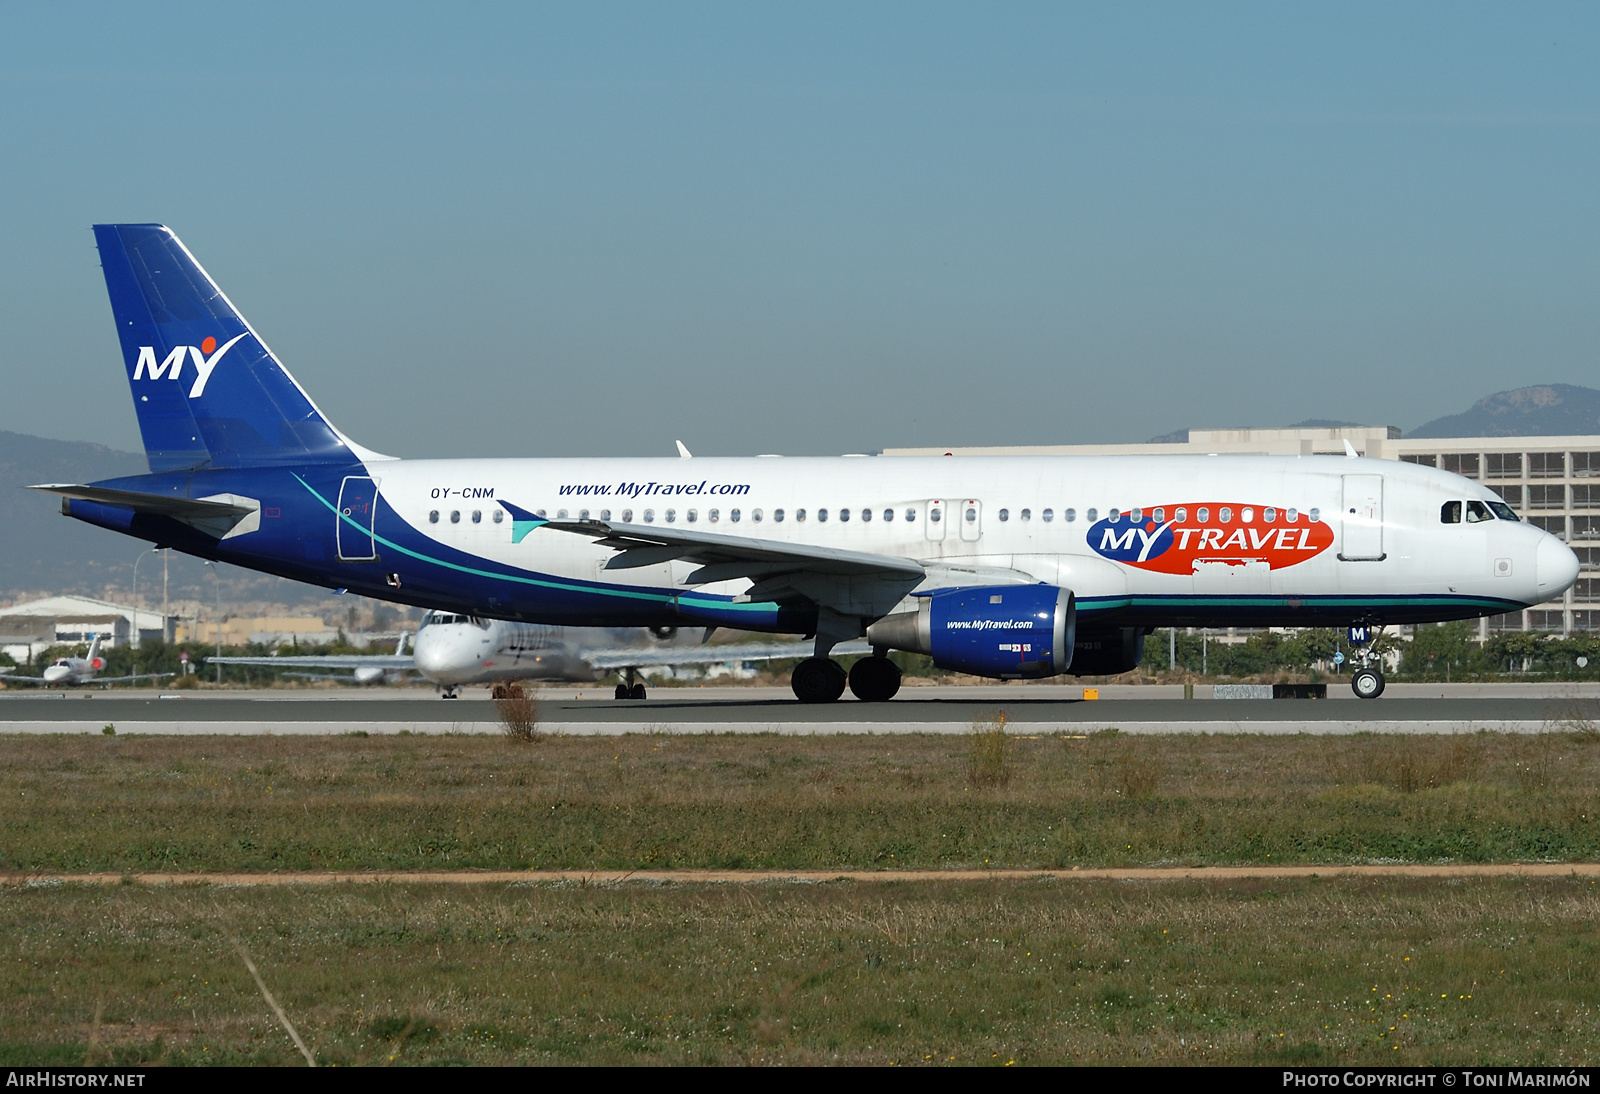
column 1107, row 651
column 1004, row 631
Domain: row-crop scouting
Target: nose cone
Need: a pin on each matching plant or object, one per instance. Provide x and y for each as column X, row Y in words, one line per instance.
column 55, row 673
column 431, row 657
column 1556, row 567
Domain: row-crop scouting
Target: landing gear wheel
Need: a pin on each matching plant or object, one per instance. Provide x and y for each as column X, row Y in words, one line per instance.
column 636, row 692
column 624, row 692
column 450, row 693
column 874, row 679
column 817, row 680
column 1367, row 683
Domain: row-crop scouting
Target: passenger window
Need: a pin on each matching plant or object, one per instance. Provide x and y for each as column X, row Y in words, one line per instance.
column 844, row 515
column 1291, row 515
column 1048, row 515
column 1450, row 513
column 627, row 516
column 649, row 516
column 777, row 515
column 583, row 514
column 1137, row 516
column 1180, row 514
column 672, row 516
column 1224, row 514
column 433, row 516
column 1114, row 516
column 800, row 514
column 734, row 514
column 499, row 516
column 934, row 515
column 1025, row 515
column 1091, row 516
column 561, row 514
column 691, row 516
column 1269, row 514
column 888, row 514
column 455, row 516
column 1477, row 512
column 866, row 514
column 972, row 516
column 911, row 514
column 605, row 514
column 477, row 516
column 1202, row 514
column 822, row 516
column 539, row 513
column 712, row 515
column 1004, row 515
column 1315, row 515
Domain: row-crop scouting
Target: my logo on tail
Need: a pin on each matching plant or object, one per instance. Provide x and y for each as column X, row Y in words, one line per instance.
column 205, row 356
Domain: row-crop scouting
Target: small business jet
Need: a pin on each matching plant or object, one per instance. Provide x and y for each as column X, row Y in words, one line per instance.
column 1007, row 567
column 76, row 671
column 452, row 650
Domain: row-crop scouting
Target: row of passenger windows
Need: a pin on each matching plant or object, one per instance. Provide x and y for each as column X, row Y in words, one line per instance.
column 455, row 516
column 1450, row 512
column 1225, row 514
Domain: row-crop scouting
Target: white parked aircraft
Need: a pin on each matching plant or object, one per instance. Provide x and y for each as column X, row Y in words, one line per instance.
column 452, row 650
column 76, row 671
column 1008, row 567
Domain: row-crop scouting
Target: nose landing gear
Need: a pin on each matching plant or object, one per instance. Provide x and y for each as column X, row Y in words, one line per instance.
column 1367, row 680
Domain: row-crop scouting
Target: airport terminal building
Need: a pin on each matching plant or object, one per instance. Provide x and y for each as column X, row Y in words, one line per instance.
column 1553, row 482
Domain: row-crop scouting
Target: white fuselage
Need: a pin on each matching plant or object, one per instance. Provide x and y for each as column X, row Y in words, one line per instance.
column 1367, row 538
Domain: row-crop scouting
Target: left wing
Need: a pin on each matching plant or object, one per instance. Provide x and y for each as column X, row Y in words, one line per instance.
column 849, row 583
column 608, row 659
column 326, row 661
column 125, row 679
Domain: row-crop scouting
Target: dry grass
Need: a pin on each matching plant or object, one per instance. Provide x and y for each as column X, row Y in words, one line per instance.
column 1322, row 972
column 295, row 803
column 989, row 747
column 519, row 713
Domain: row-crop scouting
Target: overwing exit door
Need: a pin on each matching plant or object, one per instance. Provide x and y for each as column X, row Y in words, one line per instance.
column 358, row 505
column 971, row 520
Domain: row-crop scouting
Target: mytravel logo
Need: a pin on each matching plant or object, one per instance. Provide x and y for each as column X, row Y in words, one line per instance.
column 205, row 356
column 1173, row 539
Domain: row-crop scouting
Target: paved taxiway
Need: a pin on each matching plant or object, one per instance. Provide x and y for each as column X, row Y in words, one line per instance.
column 1028, row 709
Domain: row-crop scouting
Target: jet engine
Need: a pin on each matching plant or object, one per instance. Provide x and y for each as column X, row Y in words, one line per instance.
column 1005, row 631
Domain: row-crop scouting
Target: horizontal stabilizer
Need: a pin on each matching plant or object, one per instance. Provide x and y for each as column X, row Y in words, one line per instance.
column 222, row 516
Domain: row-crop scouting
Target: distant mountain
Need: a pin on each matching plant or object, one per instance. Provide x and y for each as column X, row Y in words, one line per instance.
column 1549, row 410
column 39, row 548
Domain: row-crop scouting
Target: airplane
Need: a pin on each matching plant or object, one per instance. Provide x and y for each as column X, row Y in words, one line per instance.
column 1006, row 566
column 366, row 668
column 77, row 671
column 452, row 649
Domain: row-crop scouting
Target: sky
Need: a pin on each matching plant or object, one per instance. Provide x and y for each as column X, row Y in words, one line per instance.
column 592, row 229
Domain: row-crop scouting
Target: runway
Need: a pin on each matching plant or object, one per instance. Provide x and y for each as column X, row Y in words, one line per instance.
column 1038, row 709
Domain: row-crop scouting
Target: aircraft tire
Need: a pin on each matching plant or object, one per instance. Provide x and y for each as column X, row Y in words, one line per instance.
column 1367, row 683
column 874, row 679
column 623, row 692
column 818, row 680
column 637, row 692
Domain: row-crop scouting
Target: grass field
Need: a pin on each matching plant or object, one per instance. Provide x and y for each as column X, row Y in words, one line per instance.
column 1334, row 971
column 77, row 803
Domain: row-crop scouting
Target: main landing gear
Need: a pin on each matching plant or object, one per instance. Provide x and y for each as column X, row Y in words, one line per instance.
column 629, row 688
column 821, row 680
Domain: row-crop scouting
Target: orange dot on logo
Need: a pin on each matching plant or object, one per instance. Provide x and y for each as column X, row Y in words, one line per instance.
column 208, row 345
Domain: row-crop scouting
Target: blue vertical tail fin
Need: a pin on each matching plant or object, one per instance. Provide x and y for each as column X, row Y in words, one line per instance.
column 207, row 390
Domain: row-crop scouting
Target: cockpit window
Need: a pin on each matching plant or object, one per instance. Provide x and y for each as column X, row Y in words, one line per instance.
column 1477, row 511
column 1450, row 513
column 1503, row 511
